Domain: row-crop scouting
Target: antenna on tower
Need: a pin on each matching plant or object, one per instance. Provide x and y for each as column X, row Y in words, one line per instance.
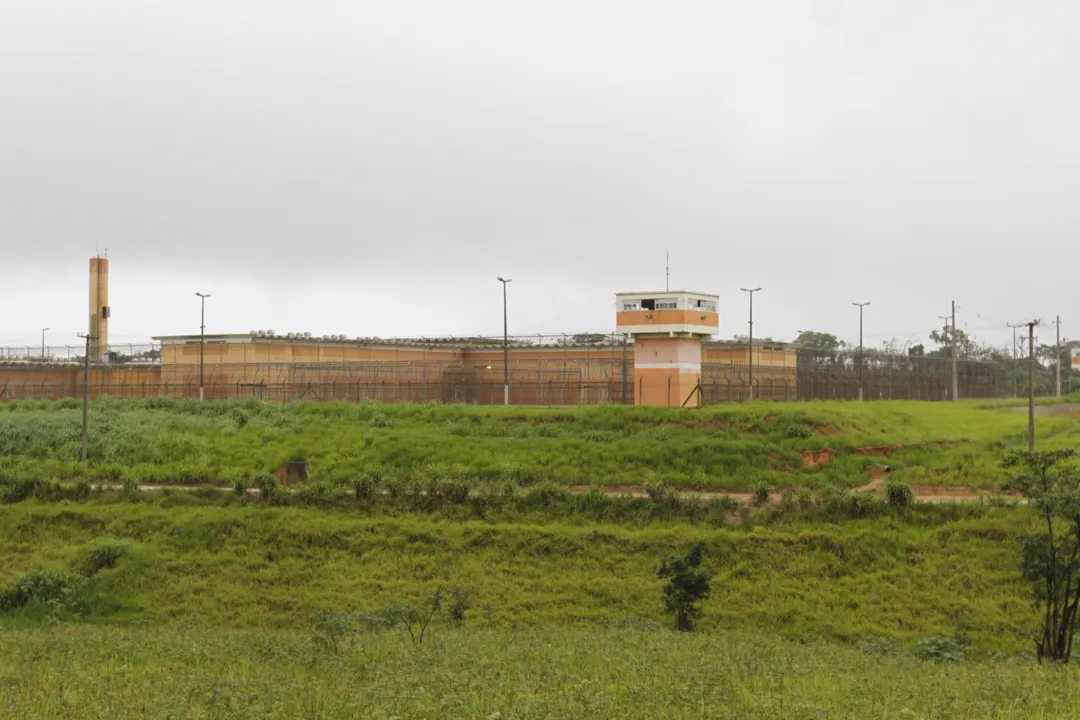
column 667, row 271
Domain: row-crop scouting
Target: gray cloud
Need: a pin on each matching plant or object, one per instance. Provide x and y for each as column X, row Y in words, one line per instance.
column 906, row 153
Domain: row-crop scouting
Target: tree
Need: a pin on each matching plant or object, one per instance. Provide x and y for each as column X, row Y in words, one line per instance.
column 1051, row 557
column 818, row 348
column 687, row 585
column 824, row 342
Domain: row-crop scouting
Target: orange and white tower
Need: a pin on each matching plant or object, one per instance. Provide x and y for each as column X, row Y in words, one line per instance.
column 668, row 329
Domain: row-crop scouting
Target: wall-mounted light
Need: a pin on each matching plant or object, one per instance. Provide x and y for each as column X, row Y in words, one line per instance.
column 648, row 315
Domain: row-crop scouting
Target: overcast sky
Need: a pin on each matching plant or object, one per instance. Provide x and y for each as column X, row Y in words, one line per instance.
column 369, row 168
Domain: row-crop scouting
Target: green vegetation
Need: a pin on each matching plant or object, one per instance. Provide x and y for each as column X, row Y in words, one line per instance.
column 438, row 565
column 198, row 671
column 904, row 576
column 726, row 447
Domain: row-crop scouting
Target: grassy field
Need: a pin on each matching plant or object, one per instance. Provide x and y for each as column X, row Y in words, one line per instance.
column 199, row 672
column 733, row 447
column 205, row 604
column 902, row 576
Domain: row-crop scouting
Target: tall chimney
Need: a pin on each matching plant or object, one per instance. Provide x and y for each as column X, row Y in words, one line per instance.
column 99, row 309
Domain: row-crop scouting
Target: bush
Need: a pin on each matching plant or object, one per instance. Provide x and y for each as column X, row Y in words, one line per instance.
column 687, row 585
column 762, row 491
column 941, row 648
column 899, row 494
column 19, row 491
column 366, row 485
column 102, row 557
column 799, row 431
column 37, row 587
column 660, row 492
column 460, row 602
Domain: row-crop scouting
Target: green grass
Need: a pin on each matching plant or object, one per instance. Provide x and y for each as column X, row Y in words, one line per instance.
column 904, row 577
column 202, row 672
column 726, row 447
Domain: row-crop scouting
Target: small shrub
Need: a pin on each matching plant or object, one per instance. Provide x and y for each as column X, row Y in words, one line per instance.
column 687, row 585
column 131, row 484
column 941, row 648
column 102, row 557
column 660, row 492
column 799, row 431
column 19, row 491
column 239, row 488
column 899, row 494
column 366, row 485
column 37, row 587
column 460, row 602
column 380, row 420
column 762, row 491
column 81, row 490
column 268, row 486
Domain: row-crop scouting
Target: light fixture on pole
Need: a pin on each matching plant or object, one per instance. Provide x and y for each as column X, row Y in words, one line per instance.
column 202, row 339
column 750, row 354
column 860, row 306
column 506, row 346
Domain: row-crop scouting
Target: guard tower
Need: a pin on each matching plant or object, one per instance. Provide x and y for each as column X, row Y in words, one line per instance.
column 668, row 329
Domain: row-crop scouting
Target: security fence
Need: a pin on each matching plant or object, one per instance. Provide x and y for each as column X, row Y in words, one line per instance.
column 563, row 369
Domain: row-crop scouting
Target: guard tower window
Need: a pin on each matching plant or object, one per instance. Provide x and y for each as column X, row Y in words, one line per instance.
column 666, row 304
column 705, row 305
column 648, row 304
column 631, row 306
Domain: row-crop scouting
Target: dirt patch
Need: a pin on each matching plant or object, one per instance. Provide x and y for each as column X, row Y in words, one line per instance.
column 829, row 431
column 878, row 450
column 816, row 458
column 937, row 491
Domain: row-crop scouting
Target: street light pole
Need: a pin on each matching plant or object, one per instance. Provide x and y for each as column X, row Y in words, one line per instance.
column 86, row 395
column 506, row 346
column 750, row 354
column 202, row 340
column 861, row 362
column 45, row 330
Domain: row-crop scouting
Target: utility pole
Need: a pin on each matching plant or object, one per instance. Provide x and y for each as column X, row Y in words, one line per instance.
column 43, row 331
column 1031, row 385
column 1057, row 362
column 86, row 395
column 202, row 340
column 750, row 354
column 861, row 362
column 506, row 347
column 955, row 380
column 667, row 271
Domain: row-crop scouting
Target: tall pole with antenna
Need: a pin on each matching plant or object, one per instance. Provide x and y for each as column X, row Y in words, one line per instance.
column 955, row 380
column 861, row 363
column 1031, row 385
column 667, row 271
column 946, row 318
column 750, row 352
column 1057, row 363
